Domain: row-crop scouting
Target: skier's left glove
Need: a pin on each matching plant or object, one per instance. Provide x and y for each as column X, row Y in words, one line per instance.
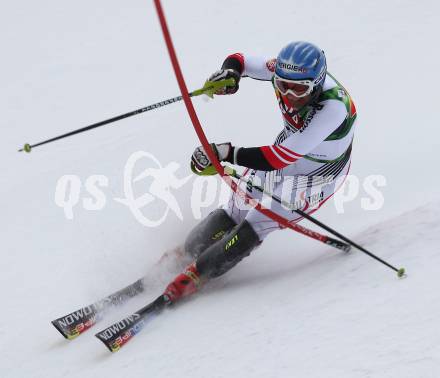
column 202, row 165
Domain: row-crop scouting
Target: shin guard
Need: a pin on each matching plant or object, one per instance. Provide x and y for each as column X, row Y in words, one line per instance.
column 229, row 251
column 207, row 232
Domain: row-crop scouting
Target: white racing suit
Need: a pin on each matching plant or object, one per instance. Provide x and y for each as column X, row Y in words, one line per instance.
column 310, row 157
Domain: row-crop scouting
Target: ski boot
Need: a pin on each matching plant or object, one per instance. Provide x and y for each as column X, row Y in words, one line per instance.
column 184, row 284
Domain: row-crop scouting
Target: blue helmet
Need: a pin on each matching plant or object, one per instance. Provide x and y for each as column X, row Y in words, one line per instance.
column 302, row 61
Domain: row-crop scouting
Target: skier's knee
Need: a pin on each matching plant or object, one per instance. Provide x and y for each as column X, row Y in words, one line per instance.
column 229, row 251
column 207, row 232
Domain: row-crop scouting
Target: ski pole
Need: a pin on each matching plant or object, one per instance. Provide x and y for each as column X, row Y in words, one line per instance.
column 209, row 89
column 233, row 173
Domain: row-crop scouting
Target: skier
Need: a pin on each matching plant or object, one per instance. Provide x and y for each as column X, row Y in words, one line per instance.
column 310, row 157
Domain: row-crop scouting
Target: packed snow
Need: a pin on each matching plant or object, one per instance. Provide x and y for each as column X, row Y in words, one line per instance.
column 295, row 307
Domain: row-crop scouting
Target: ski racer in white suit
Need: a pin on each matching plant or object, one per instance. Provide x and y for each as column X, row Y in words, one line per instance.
column 305, row 165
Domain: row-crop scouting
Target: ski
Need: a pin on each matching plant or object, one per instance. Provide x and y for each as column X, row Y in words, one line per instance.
column 74, row 324
column 118, row 334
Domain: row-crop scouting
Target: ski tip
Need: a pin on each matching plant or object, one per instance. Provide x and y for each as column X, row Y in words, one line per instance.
column 59, row 329
column 401, row 273
column 72, row 332
column 112, row 347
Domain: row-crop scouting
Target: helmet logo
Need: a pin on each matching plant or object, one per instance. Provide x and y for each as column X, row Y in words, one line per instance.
column 270, row 64
column 291, row 67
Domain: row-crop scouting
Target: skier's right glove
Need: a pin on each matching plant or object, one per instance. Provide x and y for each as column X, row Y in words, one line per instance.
column 224, row 74
column 201, row 164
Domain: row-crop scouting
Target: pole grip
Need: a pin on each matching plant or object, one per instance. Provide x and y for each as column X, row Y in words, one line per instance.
column 211, row 87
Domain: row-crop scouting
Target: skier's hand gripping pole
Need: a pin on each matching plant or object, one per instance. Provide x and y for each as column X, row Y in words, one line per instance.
column 209, row 89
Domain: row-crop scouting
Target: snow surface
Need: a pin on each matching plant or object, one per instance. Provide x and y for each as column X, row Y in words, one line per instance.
column 295, row 308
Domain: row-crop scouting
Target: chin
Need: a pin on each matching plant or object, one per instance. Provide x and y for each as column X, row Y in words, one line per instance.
column 298, row 105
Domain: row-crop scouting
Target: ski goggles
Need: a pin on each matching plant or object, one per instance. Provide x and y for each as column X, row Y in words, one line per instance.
column 297, row 88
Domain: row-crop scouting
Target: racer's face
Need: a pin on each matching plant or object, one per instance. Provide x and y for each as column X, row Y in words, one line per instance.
column 297, row 102
column 296, row 93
